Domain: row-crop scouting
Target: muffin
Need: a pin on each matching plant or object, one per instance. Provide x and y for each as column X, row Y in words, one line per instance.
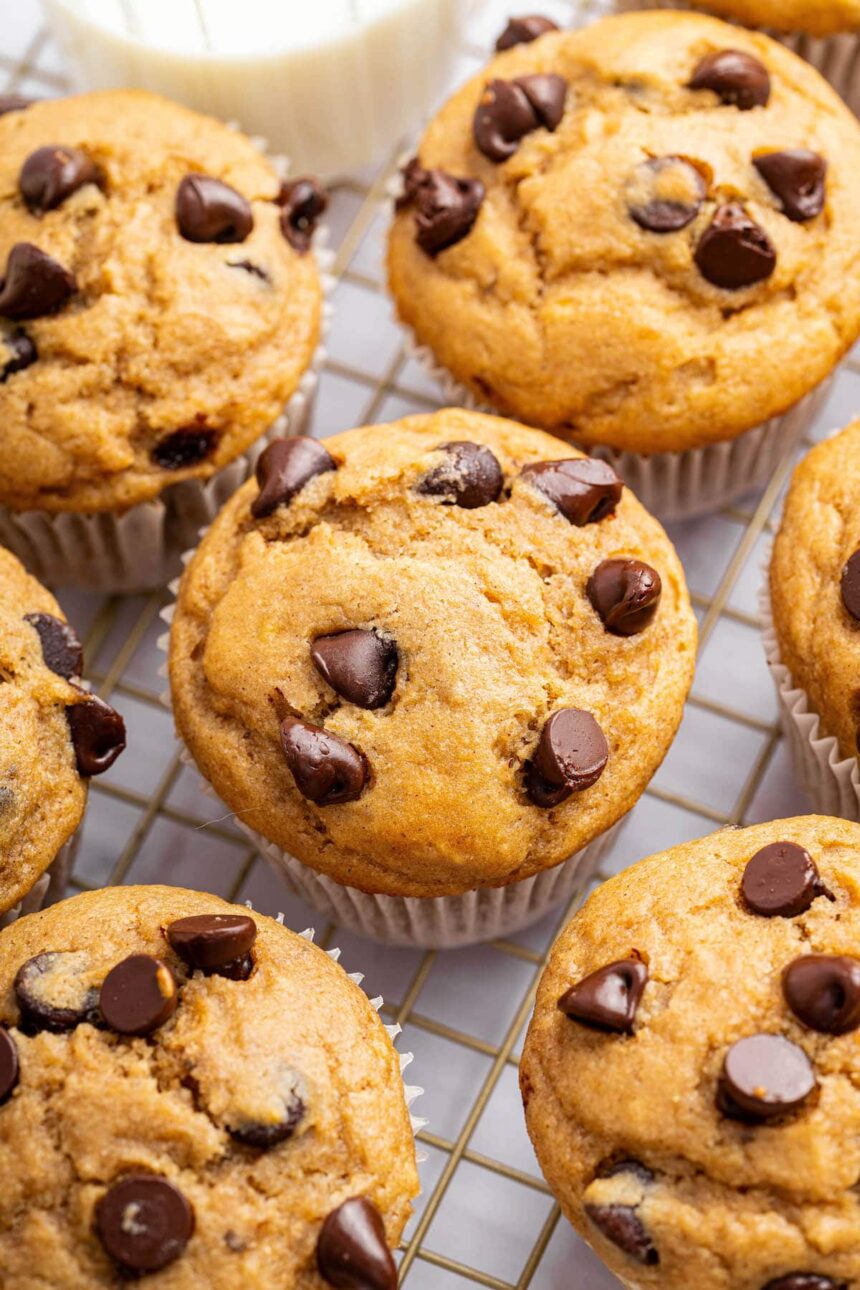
column 812, row 622
column 53, row 737
column 159, row 308
column 172, row 1102
column 691, row 1075
column 429, row 665
column 610, row 233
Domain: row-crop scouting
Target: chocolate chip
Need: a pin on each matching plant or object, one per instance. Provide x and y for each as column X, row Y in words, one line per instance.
column 213, row 942
column 850, row 586
column 446, row 207
column 734, row 251
column 360, row 666
column 35, row 284
column 571, row 755
column 509, row 110
column 304, row 201
column 208, row 210
column 284, row 1110
column 61, row 649
column 797, row 178
column 805, row 1281
column 238, row 970
column 634, row 1167
column 781, row 881
column 625, row 594
column 584, row 489
column 14, row 103
column 735, row 77
column 764, row 1077
column 138, row 995
column 54, row 992
column 184, row 448
column 665, row 194
column 22, row 351
column 8, row 1065
column 98, row 735
column 284, row 468
column 144, row 1222
column 621, row 1225
column 608, row 998
column 248, row 266
column 522, row 31
column 327, row 770
column 352, row 1252
column 53, row 173
column 470, row 476
column 823, row 991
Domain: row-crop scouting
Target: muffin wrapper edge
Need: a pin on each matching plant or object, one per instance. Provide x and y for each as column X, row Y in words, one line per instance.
column 49, row 887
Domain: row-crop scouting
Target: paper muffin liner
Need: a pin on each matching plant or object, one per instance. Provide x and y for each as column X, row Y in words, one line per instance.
column 836, row 57
column 50, row 887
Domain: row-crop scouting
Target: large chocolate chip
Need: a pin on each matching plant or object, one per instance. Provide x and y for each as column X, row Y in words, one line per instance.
column 98, row 735
column 283, row 470
column 734, row 251
column 138, row 995
column 665, row 194
column 571, row 755
column 584, row 489
column 184, row 448
column 212, row 942
column 35, row 284
column 781, row 881
column 523, row 30
column 22, row 353
column 352, row 1252
column 735, row 77
column 509, row 110
column 303, row 202
column 53, row 173
column 446, row 207
column 626, row 594
column 144, row 1222
column 327, row 770
column 607, row 999
column 54, row 992
column 850, row 586
column 805, row 1281
column 61, row 649
column 797, row 178
column 360, row 666
column 208, row 210
column 763, row 1078
column 470, row 476
column 14, row 103
column 8, row 1065
column 283, row 1112
column 823, row 991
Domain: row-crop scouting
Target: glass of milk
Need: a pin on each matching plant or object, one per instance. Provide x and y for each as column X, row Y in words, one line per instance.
column 331, row 83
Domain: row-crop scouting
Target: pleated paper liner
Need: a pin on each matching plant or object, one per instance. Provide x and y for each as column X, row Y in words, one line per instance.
column 50, row 887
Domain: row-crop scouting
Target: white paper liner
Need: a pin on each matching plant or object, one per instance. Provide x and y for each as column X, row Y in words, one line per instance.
column 50, row 887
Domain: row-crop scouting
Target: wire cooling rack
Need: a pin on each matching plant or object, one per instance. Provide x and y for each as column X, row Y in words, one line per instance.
column 485, row 1216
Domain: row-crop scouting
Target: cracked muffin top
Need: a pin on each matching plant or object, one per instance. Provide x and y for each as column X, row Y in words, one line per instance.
column 192, row 1094
column 815, row 584
column 612, row 232
column 431, row 656
column 53, row 735
column 691, row 1076
column 157, row 305
column 818, row 17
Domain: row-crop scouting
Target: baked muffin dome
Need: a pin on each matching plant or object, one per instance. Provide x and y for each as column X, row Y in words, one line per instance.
column 410, row 656
column 818, row 17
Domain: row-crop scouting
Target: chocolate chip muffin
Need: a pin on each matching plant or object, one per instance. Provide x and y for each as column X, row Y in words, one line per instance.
column 690, row 1076
column 431, row 657
column 193, row 1094
column 53, row 735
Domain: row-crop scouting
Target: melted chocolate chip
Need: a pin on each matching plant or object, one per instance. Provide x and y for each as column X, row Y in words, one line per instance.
column 735, row 77
column 805, row 1281
column 212, row 942
column 607, row 999
column 621, row 1225
column 138, row 995
column 8, row 1065
column 446, row 207
column 850, row 586
column 523, row 30
column 625, row 594
column 22, row 351
column 284, row 468
column 352, row 1252
column 98, row 735
column 304, row 201
column 144, row 1222
column 327, row 770
column 264, row 1134
column 34, row 285
column 208, row 210
column 823, row 991
column 797, row 177
column 53, row 992
column 248, row 266
column 571, row 755
column 61, row 649
column 470, row 476
column 509, row 110
column 734, row 251
column 14, row 103
column 634, row 1167
column 53, row 173
column 665, row 194
column 238, row 970
column 184, row 448
column 360, row 666
column 781, row 881
column 764, row 1077
column 583, row 489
